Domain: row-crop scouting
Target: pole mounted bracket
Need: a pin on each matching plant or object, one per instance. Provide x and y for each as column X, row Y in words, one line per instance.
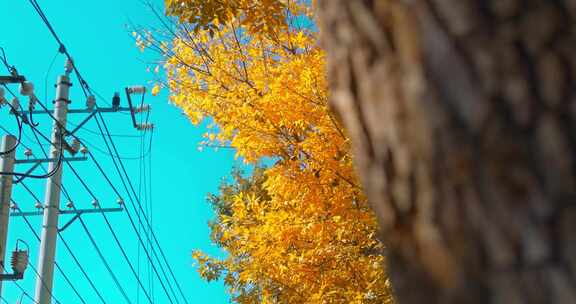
column 12, row 79
column 11, row 276
column 141, row 108
column 19, row 263
column 70, row 222
column 38, row 161
column 78, row 211
column 49, row 160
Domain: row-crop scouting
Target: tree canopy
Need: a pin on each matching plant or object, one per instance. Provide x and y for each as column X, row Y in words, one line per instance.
column 300, row 229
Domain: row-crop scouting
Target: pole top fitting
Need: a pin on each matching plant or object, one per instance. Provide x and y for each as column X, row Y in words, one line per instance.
column 69, row 66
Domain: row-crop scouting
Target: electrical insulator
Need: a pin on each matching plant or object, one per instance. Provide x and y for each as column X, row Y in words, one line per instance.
column 120, row 201
column 137, row 90
column 14, row 206
column 38, row 205
column 116, row 100
column 31, row 103
column 19, row 261
column 95, row 203
column 68, row 66
column 70, row 205
column 90, row 102
column 26, row 88
column 15, row 103
column 75, row 145
column 142, row 127
column 28, row 152
column 2, row 98
column 83, row 150
column 143, row 108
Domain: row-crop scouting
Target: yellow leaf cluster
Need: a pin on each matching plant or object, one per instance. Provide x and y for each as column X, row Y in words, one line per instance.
column 254, row 15
column 302, row 232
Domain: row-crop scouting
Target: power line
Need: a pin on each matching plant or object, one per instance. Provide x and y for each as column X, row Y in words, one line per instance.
column 8, row 90
column 24, row 134
column 44, row 283
column 135, row 209
column 47, row 74
column 61, row 47
column 81, row 268
column 150, row 198
column 19, row 124
column 22, row 176
column 104, row 261
column 84, row 226
column 96, row 133
column 22, row 119
column 86, row 89
column 42, row 176
column 100, row 150
column 78, row 264
column 142, row 176
column 131, row 220
column 55, row 263
column 90, row 237
column 139, row 236
column 10, row 133
column 139, row 194
column 13, row 109
column 74, row 256
column 5, row 61
column 24, row 292
column 139, row 204
column 109, row 227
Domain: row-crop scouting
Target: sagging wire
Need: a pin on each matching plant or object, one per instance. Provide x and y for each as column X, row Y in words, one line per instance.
column 12, row 70
column 15, row 104
column 27, row 89
column 49, row 174
column 22, row 119
column 19, row 123
column 61, row 47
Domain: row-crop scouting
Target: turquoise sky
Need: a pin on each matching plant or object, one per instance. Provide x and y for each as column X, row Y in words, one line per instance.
column 96, row 36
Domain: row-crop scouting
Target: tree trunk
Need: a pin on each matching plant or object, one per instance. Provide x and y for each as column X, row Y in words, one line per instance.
column 462, row 115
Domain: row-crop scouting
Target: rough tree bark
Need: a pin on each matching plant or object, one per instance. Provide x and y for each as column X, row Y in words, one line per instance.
column 462, row 115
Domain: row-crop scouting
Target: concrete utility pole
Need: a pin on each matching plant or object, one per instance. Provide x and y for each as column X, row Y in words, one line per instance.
column 47, row 252
column 6, row 165
column 51, row 208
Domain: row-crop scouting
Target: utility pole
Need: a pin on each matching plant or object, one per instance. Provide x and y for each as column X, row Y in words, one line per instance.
column 47, row 252
column 51, row 208
column 6, row 165
column 56, row 159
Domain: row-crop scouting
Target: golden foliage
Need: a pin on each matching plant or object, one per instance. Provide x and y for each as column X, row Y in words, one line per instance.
column 255, row 15
column 301, row 231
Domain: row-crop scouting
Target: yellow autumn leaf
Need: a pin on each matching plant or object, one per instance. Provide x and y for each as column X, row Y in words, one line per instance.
column 155, row 90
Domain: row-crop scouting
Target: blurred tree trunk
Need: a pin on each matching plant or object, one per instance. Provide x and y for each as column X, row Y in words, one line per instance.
column 462, row 115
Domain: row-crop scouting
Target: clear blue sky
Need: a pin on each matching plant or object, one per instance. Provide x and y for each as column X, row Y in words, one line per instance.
column 96, row 36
